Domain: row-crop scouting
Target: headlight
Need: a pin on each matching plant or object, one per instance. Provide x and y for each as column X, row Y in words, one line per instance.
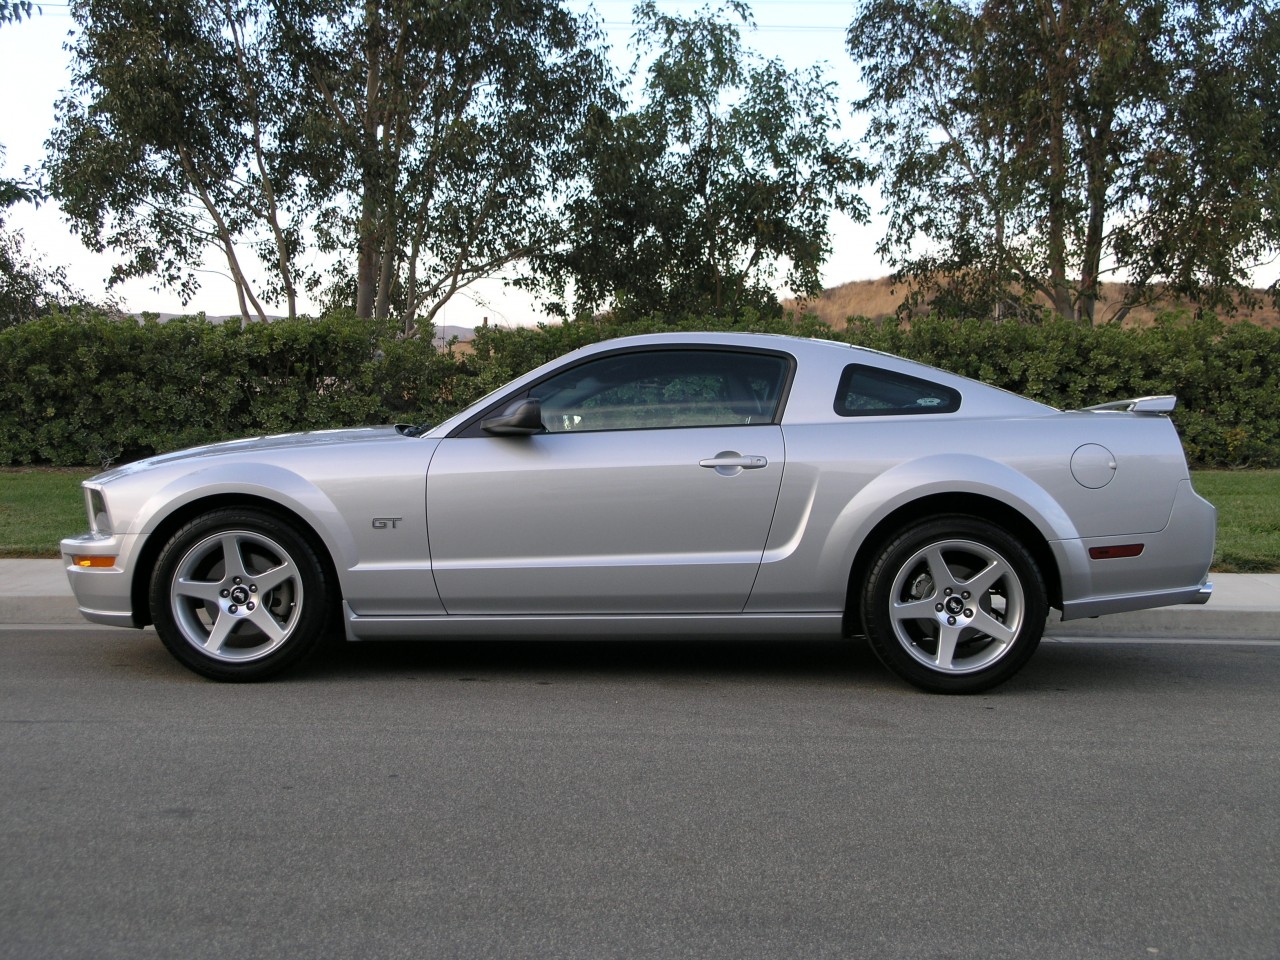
column 96, row 504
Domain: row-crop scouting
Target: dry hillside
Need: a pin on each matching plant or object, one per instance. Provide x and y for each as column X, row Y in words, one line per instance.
column 880, row 298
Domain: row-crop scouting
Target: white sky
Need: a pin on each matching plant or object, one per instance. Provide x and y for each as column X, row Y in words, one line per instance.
column 34, row 68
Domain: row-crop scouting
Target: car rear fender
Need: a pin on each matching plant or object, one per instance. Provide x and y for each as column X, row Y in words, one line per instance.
column 885, row 504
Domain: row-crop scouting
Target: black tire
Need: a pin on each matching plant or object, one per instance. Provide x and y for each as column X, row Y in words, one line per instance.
column 239, row 594
column 954, row 604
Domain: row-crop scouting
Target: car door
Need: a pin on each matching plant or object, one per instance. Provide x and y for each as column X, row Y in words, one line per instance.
column 651, row 490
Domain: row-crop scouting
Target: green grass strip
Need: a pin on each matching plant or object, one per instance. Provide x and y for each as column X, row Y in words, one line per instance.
column 1248, row 503
column 39, row 506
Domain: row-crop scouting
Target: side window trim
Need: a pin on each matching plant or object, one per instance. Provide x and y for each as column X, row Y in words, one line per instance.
column 471, row 427
column 931, row 398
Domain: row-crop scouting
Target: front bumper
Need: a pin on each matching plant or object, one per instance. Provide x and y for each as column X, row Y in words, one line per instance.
column 103, row 594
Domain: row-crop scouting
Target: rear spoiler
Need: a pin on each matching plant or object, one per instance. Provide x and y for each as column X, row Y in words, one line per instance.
column 1153, row 405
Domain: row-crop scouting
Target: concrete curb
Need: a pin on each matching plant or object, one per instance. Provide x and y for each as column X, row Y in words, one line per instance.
column 36, row 592
column 1198, row 623
column 1244, row 607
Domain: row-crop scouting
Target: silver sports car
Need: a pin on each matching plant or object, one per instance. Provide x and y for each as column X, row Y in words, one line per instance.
column 687, row 485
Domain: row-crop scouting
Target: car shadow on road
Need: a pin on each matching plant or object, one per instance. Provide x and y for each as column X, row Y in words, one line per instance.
column 1055, row 668
column 797, row 660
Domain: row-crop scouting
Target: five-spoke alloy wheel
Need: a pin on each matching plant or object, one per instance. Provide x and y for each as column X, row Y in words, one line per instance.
column 239, row 594
column 954, row 604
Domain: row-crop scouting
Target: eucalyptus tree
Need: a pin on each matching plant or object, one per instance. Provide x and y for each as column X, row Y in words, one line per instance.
column 439, row 133
column 1033, row 149
column 717, row 186
column 13, row 191
column 420, row 142
column 167, row 144
column 24, row 283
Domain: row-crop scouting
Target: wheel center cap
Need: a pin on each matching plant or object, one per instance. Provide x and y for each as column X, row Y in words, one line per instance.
column 239, row 595
column 954, row 605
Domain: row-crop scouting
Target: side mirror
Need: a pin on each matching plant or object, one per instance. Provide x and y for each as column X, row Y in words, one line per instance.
column 522, row 418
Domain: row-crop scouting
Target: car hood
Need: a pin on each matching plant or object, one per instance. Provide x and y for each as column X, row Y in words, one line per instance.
column 251, row 445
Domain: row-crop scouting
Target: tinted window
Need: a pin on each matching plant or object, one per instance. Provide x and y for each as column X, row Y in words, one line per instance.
column 666, row 388
column 871, row 392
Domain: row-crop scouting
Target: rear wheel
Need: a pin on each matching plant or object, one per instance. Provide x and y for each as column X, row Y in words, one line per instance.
column 239, row 594
column 954, row 605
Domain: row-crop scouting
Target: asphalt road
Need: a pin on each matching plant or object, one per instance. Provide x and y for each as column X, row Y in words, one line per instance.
column 635, row 801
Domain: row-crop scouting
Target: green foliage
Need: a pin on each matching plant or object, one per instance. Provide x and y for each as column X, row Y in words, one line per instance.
column 716, row 186
column 500, row 355
column 14, row 11
column 423, row 144
column 449, row 125
column 28, row 287
column 87, row 389
column 1226, row 378
column 81, row 388
column 1028, row 149
column 159, row 152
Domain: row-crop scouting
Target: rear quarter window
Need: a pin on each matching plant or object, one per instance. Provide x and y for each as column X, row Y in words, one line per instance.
column 871, row 392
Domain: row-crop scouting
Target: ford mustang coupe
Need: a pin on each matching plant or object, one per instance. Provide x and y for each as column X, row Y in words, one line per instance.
column 689, row 485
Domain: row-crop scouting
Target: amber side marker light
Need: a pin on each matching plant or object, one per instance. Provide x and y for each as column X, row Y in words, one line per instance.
column 1116, row 553
column 94, row 561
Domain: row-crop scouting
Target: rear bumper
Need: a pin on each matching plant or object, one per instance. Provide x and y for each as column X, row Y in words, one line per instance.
column 1126, row 603
column 1173, row 567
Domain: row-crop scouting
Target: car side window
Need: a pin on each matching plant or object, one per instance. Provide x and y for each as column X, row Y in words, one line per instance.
column 866, row 391
column 647, row 390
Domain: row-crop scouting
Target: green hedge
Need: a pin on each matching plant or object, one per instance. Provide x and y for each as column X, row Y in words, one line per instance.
column 87, row 389
column 1226, row 377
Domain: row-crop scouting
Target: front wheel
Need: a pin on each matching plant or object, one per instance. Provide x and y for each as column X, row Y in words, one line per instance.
column 239, row 594
column 954, row 605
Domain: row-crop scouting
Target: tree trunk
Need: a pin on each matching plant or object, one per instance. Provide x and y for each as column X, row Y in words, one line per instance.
column 386, row 267
column 1056, row 73
column 367, row 246
column 272, row 212
column 366, row 256
column 243, row 289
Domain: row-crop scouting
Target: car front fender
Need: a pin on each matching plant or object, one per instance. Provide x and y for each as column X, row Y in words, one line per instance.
column 269, row 482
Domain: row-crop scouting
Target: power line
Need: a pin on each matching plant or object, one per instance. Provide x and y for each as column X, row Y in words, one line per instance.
column 758, row 28
column 612, row 21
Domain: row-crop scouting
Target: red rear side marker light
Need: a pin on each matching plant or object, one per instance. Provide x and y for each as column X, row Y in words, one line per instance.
column 1116, row 553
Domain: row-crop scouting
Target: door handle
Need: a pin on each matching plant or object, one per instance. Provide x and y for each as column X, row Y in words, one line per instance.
column 729, row 462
